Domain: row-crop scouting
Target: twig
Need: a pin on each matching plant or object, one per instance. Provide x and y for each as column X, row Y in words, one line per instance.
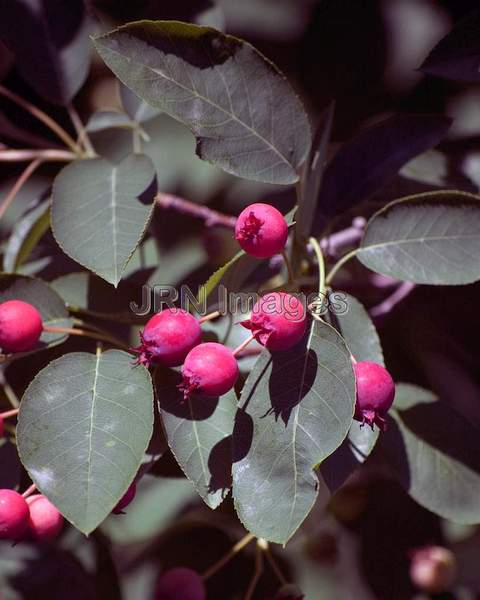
column 257, row 573
column 336, row 242
column 275, row 567
column 402, row 291
column 9, row 413
column 211, row 217
column 9, row 393
column 94, row 335
column 44, row 155
column 29, row 491
column 240, row 545
column 41, row 116
column 18, row 185
column 209, row 317
column 83, row 138
column 243, row 345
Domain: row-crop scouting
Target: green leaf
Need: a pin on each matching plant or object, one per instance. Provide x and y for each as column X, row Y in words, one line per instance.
column 431, row 238
column 46, row 301
column 295, row 410
column 199, row 433
column 138, row 110
column 215, row 278
column 241, row 109
column 25, row 235
column 83, row 427
column 433, row 451
column 357, row 329
column 100, row 212
column 315, row 167
column 108, row 119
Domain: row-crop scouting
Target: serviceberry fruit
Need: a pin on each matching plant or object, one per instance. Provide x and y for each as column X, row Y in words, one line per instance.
column 261, row 230
column 125, row 500
column 14, row 515
column 375, row 393
column 278, row 321
column 168, row 337
column 180, row 584
column 210, row 370
column 45, row 521
column 20, row 326
column 433, row 569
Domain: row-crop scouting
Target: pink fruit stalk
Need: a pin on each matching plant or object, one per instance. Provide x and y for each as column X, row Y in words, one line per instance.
column 210, row 370
column 261, row 230
column 125, row 499
column 375, row 393
column 433, row 569
column 45, row 521
column 278, row 321
column 180, row 584
column 168, row 337
column 20, row 326
column 14, row 515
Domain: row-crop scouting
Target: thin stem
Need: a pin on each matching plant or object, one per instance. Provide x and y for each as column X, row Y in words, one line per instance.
column 83, row 138
column 257, row 573
column 41, row 116
column 401, row 292
column 211, row 217
column 9, row 413
column 29, row 491
column 209, row 317
column 94, row 335
column 321, row 264
column 243, row 345
column 137, row 140
column 238, row 547
column 288, row 264
column 9, row 393
column 18, row 185
column 339, row 265
column 275, row 567
column 44, row 155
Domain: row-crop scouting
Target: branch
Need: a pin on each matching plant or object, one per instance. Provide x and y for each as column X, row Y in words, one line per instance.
column 44, row 155
column 402, row 291
column 18, row 185
column 211, row 217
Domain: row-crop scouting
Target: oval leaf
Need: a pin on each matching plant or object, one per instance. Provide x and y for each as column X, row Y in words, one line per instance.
column 100, row 212
column 46, row 301
column 295, row 410
column 199, row 433
column 241, row 109
column 83, row 427
column 431, row 238
column 433, row 450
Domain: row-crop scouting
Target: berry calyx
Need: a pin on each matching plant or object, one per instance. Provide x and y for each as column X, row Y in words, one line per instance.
column 14, row 515
column 45, row 521
column 375, row 393
column 180, row 584
column 210, row 369
column 278, row 321
column 433, row 569
column 20, row 326
column 125, row 499
column 261, row 230
column 168, row 337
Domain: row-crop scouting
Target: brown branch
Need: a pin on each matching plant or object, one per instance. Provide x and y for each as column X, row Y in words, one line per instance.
column 211, row 217
column 44, row 155
column 18, row 185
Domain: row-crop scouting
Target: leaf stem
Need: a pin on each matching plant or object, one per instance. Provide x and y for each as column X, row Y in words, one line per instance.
column 339, row 265
column 288, row 264
column 238, row 547
column 209, row 317
column 243, row 345
column 210, row 216
column 44, row 155
column 9, row 393
column 41, row 116
column 257, row 573
column 83, row 137
column 321, row 264
column 9, row 413
column 275, row 568
column 29, row 491
column 94, row 335
column 25, row 175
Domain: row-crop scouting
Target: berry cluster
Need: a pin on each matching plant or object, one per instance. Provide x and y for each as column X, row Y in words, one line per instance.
column 33, row 517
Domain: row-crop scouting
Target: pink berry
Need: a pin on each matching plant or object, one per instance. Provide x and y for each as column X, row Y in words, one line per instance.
column 180, row 584
column 433, row 569
column 278, row 321
column 13, row 515
column 125, row 500
column 261, row 230
column 375, row 393
column 20, row 326
column 46, row 521
column 210, row 370
column 168, row 337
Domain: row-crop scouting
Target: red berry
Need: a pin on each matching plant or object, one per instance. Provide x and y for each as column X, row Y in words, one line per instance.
column 261, row 230
column 20, row 326
column 278, row 321
column 125, row 500
column 210, row 369
column 375, row 393
column 13, row 515
column 433, row 569
column 180, row 584
column 168, row 337
column 46, row 521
